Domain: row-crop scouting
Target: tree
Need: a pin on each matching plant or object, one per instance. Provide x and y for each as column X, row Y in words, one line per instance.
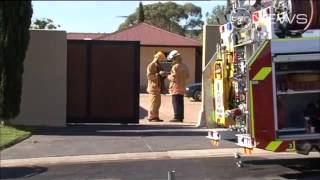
column 141, row 13
column 181, row 19
column 217, row 15
column 194, row 24
column 15, row 20
column 44, row 23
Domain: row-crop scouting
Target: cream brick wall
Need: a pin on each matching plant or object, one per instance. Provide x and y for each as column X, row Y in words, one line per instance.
column 44, row 80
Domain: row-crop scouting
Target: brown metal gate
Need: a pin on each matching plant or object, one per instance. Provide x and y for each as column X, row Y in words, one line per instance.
column 103, row 81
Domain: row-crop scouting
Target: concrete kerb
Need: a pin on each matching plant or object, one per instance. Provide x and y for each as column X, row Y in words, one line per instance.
column 180, row 154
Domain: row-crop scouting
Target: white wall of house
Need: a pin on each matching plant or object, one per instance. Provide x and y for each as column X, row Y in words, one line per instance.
column 146, row 56
column 44, row 80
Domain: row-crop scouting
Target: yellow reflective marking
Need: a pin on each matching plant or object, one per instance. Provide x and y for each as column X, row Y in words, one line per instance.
column 251, row 111
column 273, row 145
column 213, row 115
column 262, row 74
column 254, row 58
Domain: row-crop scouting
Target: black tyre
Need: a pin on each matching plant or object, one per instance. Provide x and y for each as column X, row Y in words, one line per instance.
column 197, row 95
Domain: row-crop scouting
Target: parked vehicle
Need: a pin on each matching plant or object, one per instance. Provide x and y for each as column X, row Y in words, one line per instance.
column 194, row 91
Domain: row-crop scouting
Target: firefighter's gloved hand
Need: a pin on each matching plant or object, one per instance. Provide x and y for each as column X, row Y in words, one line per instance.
column 163, row 73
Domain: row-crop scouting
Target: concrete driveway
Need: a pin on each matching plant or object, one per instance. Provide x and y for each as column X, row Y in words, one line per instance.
column 111, row 139
column 191, row 109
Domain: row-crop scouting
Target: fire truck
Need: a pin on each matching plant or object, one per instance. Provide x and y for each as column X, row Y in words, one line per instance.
column 265, row 75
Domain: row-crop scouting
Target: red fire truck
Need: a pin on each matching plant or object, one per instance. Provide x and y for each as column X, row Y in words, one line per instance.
column 266, row 75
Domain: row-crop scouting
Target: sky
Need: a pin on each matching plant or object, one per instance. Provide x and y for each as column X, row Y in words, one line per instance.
column 97, row 16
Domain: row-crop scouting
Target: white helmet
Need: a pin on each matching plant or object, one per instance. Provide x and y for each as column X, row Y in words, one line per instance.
column 173, row 54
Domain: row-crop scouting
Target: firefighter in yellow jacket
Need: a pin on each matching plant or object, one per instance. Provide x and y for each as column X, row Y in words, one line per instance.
column 156, row 76
column 177, row 88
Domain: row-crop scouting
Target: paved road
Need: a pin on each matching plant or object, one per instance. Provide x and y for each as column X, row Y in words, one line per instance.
column 186, row 169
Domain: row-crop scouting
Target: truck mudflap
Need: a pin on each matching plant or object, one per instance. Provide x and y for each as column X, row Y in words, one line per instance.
column 276, row 145
column 249, row 143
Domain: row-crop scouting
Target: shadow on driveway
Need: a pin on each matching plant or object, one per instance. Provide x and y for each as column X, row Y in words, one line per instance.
column 142, row 112
column 121, row 130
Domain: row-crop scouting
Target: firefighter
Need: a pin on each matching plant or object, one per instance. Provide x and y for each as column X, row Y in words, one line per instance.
column 177, row 88
column 155, row 76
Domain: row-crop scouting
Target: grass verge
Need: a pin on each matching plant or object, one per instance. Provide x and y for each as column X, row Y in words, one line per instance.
column 10, row 135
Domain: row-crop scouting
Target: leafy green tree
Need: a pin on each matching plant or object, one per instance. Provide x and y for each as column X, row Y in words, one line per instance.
column 217, row 15
column 182, row 19
column 44, row 23
column 15, row 20
column 141, row 13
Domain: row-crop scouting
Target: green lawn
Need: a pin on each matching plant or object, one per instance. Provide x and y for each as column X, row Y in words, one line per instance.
column 10, row 135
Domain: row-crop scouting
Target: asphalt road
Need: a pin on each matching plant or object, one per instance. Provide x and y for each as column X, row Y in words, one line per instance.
column 185, row 169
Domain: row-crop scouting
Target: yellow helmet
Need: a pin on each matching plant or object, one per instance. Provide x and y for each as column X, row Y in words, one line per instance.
column 159, row 56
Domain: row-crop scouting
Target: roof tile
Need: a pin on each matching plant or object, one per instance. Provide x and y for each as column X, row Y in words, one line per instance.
column 145, row 33
column 150, row 35
column 81, row 36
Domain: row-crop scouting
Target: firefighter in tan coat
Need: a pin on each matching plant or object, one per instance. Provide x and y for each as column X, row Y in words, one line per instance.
column 155, row 76
column 177, row 88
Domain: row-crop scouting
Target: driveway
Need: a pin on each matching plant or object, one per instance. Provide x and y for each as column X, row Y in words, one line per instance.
column 110, row 139
column 191, row 109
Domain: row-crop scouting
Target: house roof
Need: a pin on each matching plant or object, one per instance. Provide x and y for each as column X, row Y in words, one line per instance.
column 150, row 35
column 81, row 36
